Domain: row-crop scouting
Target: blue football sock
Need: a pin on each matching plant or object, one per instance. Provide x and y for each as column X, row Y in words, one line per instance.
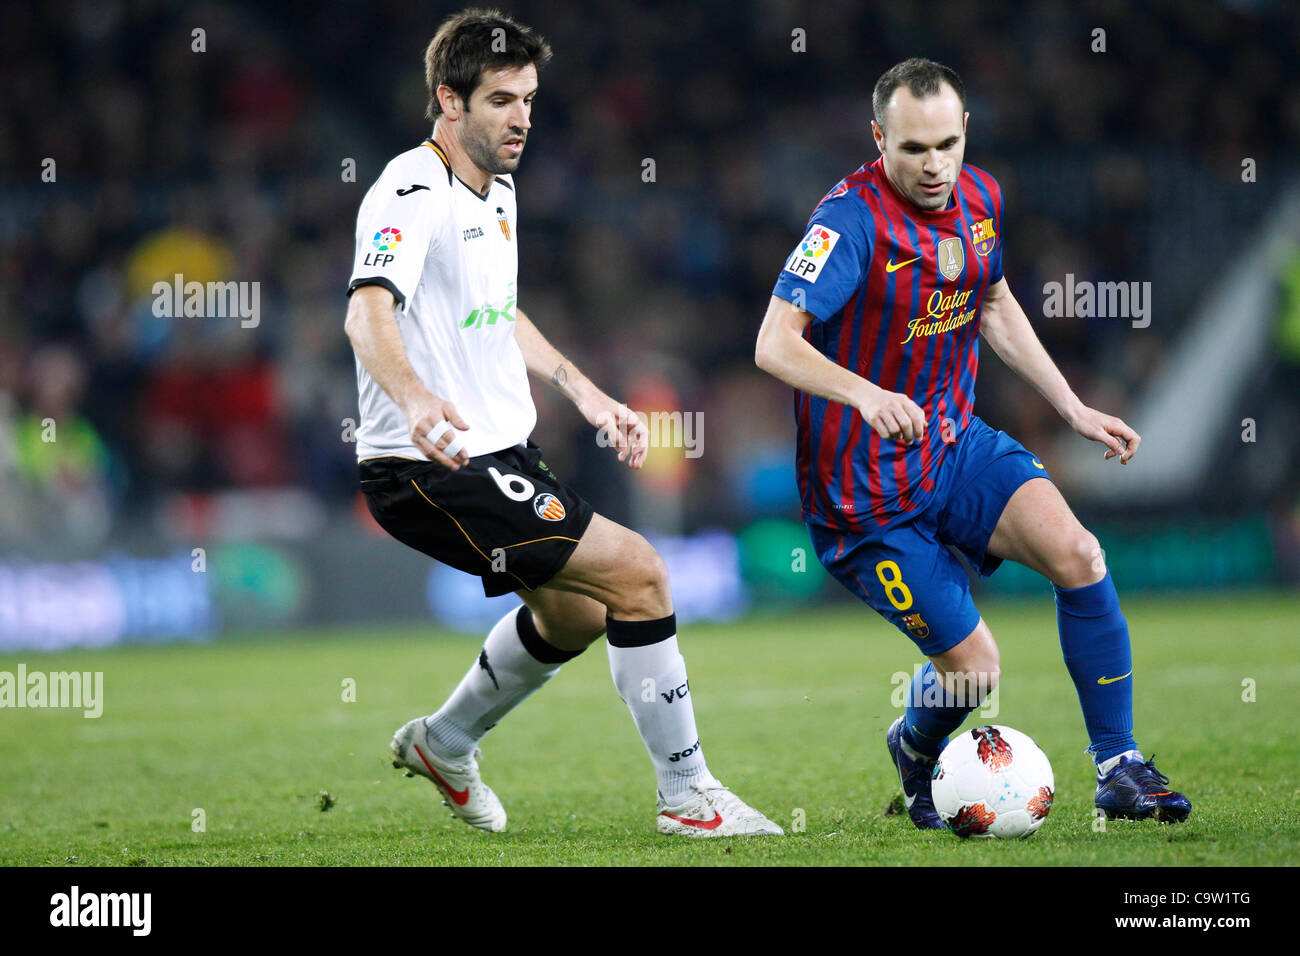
column 932, row 712
column 1094, row 640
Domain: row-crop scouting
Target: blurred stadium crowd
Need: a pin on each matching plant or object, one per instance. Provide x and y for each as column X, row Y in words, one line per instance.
column 229, row 164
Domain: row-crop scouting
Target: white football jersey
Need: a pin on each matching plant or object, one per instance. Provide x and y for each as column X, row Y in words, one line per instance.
column 450, row 258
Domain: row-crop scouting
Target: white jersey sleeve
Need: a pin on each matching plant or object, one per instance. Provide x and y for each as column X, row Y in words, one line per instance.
column 401, row 221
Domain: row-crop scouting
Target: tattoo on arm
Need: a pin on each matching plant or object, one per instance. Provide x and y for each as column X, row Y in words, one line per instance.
column 560, row 377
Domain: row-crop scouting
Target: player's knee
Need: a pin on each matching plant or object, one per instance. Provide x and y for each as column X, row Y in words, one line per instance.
column 652, row 572
column 988, row 667
column 645, row 590
column 984, row 681
column 1081, row 561
column 983, row 678
column 971, row 670
column 989, row 683
column 973, row 686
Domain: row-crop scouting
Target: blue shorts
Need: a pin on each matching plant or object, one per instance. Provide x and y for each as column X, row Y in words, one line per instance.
column 906, row 571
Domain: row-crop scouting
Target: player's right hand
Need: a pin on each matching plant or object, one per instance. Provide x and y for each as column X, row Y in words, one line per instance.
column 893, row 415
column 433, row 422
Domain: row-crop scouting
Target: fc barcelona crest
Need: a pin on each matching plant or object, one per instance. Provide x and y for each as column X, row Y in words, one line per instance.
column 916, row 625
column 503, row 222
column 952, row 257
column 982, row 236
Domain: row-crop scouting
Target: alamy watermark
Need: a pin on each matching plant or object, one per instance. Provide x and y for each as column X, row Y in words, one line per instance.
column 976, row 689
column 1100, row 300
column 208, row 300
column 129, row 910
column 664, row 430
column 83, row 689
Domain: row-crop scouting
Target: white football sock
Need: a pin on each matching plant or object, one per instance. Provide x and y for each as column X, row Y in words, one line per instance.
column 651, row 679
column 1106, row 766
column 508, row 669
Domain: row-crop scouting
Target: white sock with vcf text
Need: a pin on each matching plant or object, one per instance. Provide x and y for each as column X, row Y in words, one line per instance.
column 650, row 675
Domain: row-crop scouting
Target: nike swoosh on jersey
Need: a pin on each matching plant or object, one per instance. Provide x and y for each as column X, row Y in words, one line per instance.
column 410, row 189
column 1039, row 464
column 1111, row 680
column 891, row 266
column 702, row 824
column 458, row 797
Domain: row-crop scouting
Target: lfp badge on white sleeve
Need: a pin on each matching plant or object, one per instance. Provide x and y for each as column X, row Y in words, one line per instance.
column 808, row 259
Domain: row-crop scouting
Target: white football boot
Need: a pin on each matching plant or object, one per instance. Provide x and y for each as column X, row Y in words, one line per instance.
column 714, row 811
column 462, row 789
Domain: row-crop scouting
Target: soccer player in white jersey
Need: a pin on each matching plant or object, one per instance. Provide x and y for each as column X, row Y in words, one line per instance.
column 446, row 463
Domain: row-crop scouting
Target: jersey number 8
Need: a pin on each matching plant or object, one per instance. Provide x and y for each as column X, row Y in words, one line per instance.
column 895, row 589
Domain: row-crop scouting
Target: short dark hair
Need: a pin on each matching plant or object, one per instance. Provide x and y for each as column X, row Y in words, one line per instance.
column 469, row 42
column 922, row 78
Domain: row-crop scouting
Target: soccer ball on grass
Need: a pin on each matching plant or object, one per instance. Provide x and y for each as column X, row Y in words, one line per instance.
column 993, row 781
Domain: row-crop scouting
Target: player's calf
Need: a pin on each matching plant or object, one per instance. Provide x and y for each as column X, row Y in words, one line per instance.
column 568, row 621
column 943, row 692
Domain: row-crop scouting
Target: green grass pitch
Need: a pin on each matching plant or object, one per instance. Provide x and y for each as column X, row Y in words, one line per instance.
column 792, row 711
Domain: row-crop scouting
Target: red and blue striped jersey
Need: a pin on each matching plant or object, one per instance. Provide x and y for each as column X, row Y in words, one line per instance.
column 895, row 293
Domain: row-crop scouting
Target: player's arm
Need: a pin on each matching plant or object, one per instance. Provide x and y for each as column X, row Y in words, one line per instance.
column 783, row 352
column 372, row 328
column 627, row 433
column 1006, row 328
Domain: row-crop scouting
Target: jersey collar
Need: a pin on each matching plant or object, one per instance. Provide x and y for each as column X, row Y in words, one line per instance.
column 442, row 155
column 914, row 211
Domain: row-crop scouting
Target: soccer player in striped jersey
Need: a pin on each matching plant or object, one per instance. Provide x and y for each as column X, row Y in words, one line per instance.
column 875, row 321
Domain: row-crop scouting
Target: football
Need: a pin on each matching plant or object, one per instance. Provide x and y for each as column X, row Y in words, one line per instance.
column 993, row 782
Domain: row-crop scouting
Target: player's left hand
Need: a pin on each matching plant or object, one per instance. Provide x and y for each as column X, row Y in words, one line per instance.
column 1112, row 432
column 621, row 428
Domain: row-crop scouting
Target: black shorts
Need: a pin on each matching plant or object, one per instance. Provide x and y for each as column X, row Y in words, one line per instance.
column 504, row 517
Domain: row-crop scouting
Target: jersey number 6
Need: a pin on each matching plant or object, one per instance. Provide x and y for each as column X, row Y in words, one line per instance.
column 514, row 487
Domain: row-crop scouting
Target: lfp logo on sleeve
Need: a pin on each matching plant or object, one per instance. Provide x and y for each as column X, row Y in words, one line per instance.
column 808, row 260
column 385, row 242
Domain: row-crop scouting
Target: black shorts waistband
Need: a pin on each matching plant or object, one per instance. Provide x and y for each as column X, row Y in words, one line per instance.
column 383, row 466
